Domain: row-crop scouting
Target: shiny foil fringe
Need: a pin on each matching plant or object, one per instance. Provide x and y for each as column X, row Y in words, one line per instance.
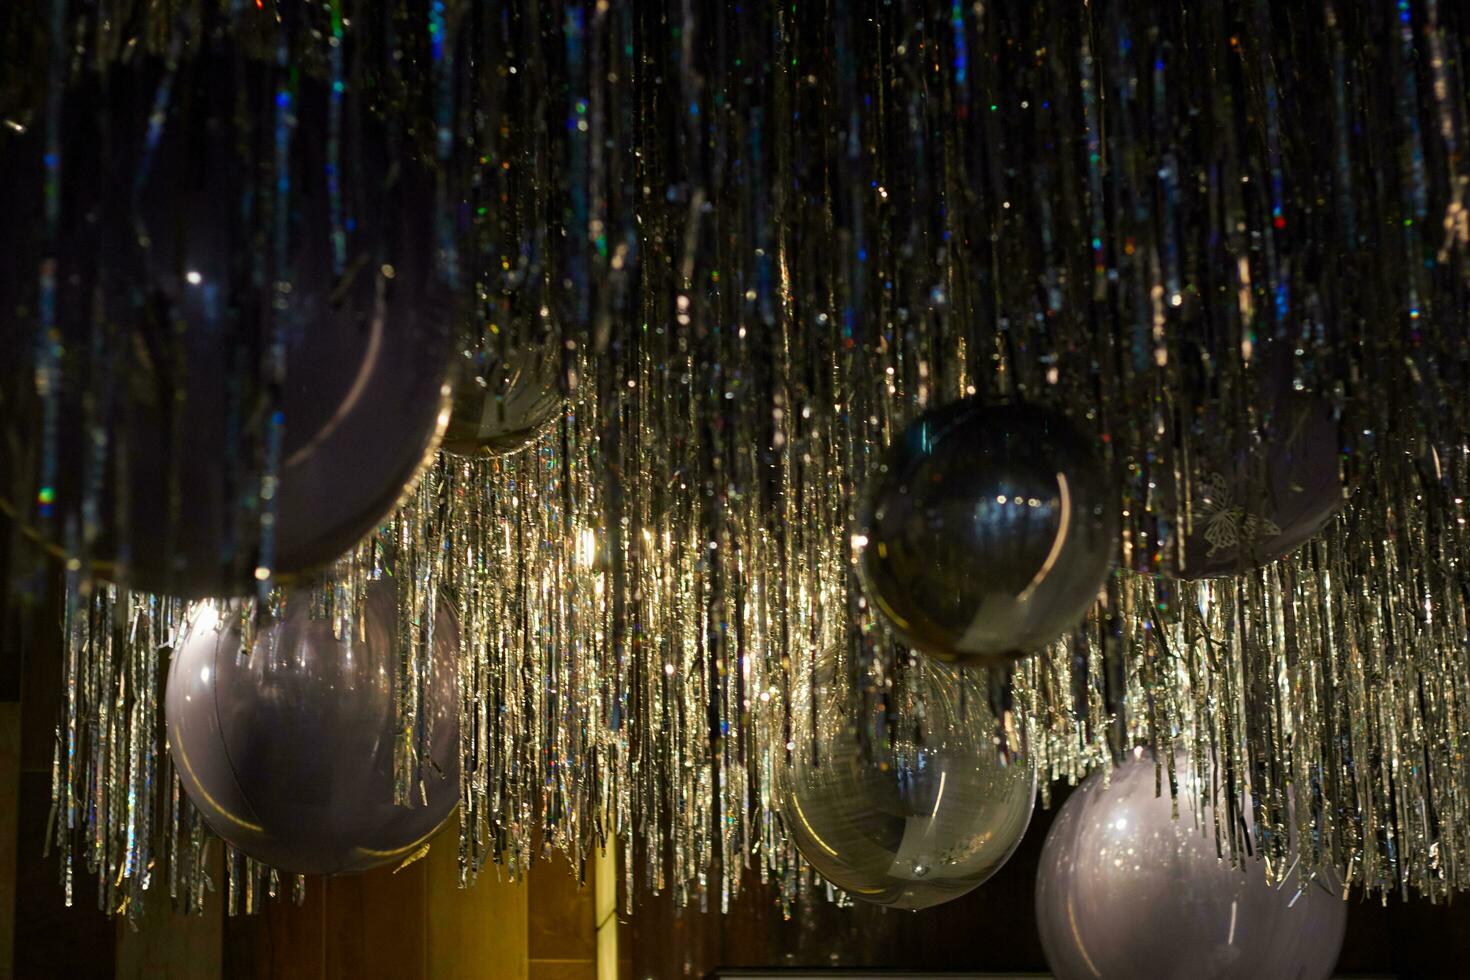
column 1328, row 692
column 771, row 236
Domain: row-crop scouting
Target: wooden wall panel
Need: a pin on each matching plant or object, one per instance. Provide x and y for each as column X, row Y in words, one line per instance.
column 168, row 945
column 414, row 923
column 376, row 923
column 52, row 940
column 476, row 932
column 606, row 883
column 562, row 938
column 284, row 941
column 9, row 827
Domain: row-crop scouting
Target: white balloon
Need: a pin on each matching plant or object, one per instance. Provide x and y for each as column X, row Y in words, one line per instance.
column 1125, row 890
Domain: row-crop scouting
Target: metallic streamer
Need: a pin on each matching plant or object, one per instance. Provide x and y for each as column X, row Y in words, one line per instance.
column 766, row 237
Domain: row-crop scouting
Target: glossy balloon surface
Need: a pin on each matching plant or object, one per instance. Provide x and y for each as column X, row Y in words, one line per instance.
column 288, row 751
column 1125, row 890
column 922, row 818
column 988, row 531
column 508, row 393
column 168, row 239
column 1260, row 496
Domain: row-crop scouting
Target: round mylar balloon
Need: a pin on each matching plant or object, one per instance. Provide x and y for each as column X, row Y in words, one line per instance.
column 1125, row 890
column 1256, row 493
column 287, row 750
column 922, row 817
column 508, row 392
column 988, row 531
column 203, row 260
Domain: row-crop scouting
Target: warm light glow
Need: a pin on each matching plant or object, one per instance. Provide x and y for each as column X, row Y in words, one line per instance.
column 796, row 804
column 939, row 796
column 1064, row 526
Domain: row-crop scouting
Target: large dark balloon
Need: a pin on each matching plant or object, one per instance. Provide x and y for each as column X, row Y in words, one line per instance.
column 1124, row 886
column 288, row 751
column 508, row 393
column 1255, row 493
column 924, row 817
column 988, row 531
column 172, row 278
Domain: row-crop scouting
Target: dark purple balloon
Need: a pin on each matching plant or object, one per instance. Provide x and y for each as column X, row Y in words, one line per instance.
column 1258, row 496
column 167, row 291
column 288, row 752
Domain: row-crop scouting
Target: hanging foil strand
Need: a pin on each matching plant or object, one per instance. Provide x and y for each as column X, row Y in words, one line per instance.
column 764, row 239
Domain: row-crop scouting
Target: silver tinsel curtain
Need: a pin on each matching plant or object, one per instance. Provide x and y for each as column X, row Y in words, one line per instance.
column 767, row 236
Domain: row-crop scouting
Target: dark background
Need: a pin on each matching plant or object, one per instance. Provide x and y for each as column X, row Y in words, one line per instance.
column 991, row 929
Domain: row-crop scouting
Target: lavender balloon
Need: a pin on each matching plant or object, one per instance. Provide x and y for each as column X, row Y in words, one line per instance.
column 1125, row 890
column 288, row 751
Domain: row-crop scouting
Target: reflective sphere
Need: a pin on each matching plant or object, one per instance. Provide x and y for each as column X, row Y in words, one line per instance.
column 988, row 531
column 1261, row 495
column 507, row 394
column 921, row 819
column 288, row 751
column 1124, row 890
column 167, row 411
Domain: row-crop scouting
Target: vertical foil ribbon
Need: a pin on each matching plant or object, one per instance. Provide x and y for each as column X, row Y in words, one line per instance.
column 766, row 237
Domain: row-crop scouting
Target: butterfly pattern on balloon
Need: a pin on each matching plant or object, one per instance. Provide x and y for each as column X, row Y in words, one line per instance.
column 1227, row 524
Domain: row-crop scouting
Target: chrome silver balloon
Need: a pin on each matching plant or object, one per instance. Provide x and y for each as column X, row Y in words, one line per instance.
column 988, row 530
column 927, row 814
column 287, row 751
column 508, row 393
